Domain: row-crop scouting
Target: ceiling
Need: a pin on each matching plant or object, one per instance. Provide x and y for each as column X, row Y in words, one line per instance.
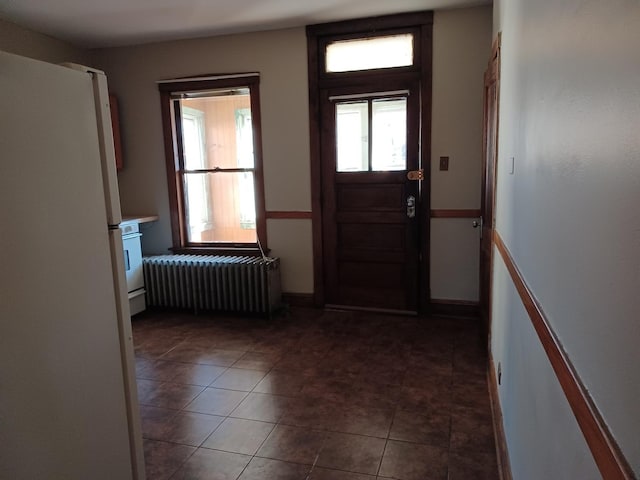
column 108, row 23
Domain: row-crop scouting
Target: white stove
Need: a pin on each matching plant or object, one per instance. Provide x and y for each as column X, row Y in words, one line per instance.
column 131, row 241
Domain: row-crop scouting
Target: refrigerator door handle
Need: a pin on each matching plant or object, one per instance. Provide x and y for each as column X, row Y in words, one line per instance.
column 105, row 137
column 127, row 354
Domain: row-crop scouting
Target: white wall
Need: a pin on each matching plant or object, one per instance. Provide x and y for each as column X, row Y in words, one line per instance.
column 543, row 436
column 569, row 115
column 461, row 50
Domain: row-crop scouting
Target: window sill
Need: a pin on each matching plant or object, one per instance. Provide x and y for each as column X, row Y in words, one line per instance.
column 252, row 251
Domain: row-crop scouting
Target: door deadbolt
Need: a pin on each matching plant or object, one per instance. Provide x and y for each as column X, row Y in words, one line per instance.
column 411, row 206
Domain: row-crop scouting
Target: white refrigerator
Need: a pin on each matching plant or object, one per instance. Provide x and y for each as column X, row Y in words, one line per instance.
column 68, row 402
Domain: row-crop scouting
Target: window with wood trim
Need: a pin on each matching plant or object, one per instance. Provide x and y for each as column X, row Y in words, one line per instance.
column 214, row 165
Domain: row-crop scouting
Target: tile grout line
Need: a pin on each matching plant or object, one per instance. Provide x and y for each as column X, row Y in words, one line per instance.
column 315, row 460
column 325, row 354
column 182, row 410
column 278, row 423
column 451, row 382
column 182, row 463
column 267, row 437
column 393, row 419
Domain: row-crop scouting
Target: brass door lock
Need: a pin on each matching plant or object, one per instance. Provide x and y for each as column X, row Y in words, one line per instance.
column 415, row 174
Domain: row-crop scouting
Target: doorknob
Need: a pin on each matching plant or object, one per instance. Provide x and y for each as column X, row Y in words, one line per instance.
column 411, row 206
column 478, row 223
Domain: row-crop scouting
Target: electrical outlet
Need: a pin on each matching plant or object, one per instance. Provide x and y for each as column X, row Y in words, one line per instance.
column 444, row 163
column 499, row 373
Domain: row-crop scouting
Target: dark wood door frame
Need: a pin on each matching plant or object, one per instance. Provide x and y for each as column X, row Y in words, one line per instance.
column 376, row 270
column 490, row 126
column 421, row 23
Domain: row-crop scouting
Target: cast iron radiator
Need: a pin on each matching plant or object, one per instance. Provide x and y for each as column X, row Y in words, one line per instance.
column 212, row 282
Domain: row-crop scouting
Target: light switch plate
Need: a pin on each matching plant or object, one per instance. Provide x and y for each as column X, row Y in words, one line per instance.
column 512, row 165
column 444, row 163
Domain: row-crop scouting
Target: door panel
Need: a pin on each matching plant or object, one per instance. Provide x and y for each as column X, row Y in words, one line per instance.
column 371, row 236
column 371, row 245
column 378, row 196
column 490, row 147
column 373, row 285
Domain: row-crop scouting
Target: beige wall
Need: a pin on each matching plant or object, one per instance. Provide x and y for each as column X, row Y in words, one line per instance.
column 461, row 49
column 280, row 58
column 569, row 110
column 21, row 41
column 461, row 45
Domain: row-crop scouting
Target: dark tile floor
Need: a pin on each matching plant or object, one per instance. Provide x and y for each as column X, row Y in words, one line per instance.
column 313, row 395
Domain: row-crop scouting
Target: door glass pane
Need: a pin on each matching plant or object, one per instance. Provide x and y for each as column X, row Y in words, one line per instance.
column 352, row 137
column 220, row 207
column 389, row 132
column 367, row 53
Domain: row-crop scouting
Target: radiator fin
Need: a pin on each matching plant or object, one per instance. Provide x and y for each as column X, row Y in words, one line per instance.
column 213, row 282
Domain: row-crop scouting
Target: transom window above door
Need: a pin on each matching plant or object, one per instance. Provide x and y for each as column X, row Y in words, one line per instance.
column 388, row 51
column 212, row 126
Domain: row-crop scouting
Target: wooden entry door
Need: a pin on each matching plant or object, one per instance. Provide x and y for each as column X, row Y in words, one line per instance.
column 369, row 144
column 490, row 155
